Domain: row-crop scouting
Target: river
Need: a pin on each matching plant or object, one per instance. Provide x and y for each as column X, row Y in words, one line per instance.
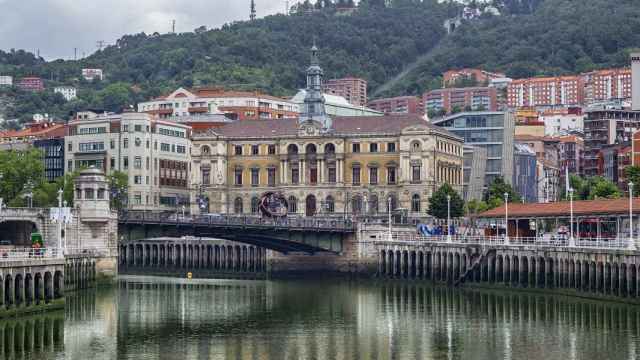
column 163, row 318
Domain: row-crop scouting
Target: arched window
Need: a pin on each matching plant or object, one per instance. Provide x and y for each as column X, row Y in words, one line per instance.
column 329, row 149
column 292, row 149
column 237, row 206
column 206, row 150
column 416, row 146
column 310, row 149
column 293, row 205
column 255, row 202
column 329, row 204
column 415, row 203
column 356, row 204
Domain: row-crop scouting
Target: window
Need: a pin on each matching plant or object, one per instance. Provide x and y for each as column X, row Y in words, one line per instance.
column 271, row 149
column 255, row 203
column 70, row 165
column 313, row 175
column 206, row 176
column 181, row 149
column 137, row 180
column 331, row 174
column 165, row 147
column 295, row 175
column 148, row 144
column 113, row 163
column 125, row 143
column 237, row 150
column 70, row 146
column 88, row 194
column 125, row 128
column 415, row 173
column 373, row 147
column 355, row 175
column 137, row 162
column 391, row 175
column 125, row 163
column 373, row 176
column 255, row 177
column 293, row 204
column 237, row 206
column 355, row 148
column 271, row 176
column 148, row 163
column 330, row 204
column 391, row 147
column 173, row 148
column 206, row 150
column 91, row 147
column 101, row 193
column 415, row 146
column 255, row 150
column 238, row 177
column 415, row 203
column 113, row 144
column 137, row 128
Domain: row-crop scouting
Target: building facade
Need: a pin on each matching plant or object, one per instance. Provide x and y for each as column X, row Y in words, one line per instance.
column 155, row 155
column 6, row 80
column 398, row 105
column 562, row 122
column 493, row 131
column 608, row 84
column 353, row 89
column 325, row 165
column 461, row 99
column 68, row 92
column 337, row 106
column 475, row 167
column 525, row 173
column 52, row 157
column 91, row 74
column 235, row 105
column 452, row 77
column 546, row 92
column 31, row 83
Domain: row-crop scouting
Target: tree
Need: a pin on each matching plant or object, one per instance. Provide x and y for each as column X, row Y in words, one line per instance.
column 438, row 203
column 494, row 196
column 633, row 174
column 22, row 172
column 603, row 189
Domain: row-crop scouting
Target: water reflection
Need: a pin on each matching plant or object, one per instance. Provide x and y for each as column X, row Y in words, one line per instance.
column 156, row 318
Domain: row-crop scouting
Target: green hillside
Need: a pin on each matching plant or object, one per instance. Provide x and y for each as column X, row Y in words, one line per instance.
column 374, row 42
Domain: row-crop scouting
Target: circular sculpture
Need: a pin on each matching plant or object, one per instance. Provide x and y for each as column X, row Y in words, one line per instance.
column 273, row 204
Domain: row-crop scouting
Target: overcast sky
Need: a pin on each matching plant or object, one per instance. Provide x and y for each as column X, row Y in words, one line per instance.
column 56, row 27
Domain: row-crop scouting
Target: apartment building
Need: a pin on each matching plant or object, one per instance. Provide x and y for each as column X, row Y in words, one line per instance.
column 154, row 153
column 452, row 77
column 6, row 80
column 351, row 88
column 31, row 83
column 608, row 84
column 68, row 92
column 398, row 105
column 546, row 92
column 461, row 99
column 235, row 105
column 91, row 74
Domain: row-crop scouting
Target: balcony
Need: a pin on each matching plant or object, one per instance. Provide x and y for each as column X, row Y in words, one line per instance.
column 198, row 109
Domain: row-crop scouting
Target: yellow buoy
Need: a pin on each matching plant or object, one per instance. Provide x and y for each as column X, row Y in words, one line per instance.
column 189, row 275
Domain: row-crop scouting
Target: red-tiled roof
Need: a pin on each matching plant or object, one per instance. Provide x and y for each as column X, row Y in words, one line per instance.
column 342, row 125
column 562, row 209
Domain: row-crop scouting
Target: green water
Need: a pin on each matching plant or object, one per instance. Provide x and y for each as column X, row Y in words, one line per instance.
column 160, row 318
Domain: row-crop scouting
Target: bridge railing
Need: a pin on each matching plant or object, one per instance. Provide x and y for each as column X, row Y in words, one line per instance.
column 325, row 223
column 609, row 243
column 28, row 254
column 91, row 252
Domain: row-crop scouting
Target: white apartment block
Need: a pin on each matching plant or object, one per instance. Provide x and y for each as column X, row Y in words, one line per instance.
column 6, row 80
column 68, row 92
column 154, row 153
column 90, row 74
column 236, row 105
column 562, row 124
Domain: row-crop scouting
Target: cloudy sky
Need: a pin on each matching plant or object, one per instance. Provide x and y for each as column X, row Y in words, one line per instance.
column 56, row 27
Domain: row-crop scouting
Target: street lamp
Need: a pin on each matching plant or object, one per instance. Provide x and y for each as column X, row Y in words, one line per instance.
column 506, row 218
column 183, row 209
column 448, row 218
column 572, row 240
column 631, row 245
column 60, row 193
column 389, row 208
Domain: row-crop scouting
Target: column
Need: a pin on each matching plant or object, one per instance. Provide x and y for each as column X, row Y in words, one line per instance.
column 302, row 172
column 320, row 171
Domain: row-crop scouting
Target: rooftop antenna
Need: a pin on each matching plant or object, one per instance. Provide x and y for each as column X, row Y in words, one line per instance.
column 253, row 10
column 173, row 26
column 75, row 53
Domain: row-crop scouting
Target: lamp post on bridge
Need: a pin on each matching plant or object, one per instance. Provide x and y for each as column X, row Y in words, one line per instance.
column 389, row 210
column 631, row 244
column 572, row 240
column 506, row 218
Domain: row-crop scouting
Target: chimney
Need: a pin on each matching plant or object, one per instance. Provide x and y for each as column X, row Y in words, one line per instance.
column 635, row 81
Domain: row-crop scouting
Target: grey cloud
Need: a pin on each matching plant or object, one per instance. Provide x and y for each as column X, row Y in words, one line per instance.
column 56, row 27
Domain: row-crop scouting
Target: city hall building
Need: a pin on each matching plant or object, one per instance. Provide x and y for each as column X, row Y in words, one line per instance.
column 322, row 164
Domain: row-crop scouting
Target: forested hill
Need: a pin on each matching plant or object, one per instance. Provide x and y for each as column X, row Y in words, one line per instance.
column 531, row 37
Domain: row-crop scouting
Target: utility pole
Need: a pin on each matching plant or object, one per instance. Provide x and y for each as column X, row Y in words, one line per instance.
column 100, row 44
column 252, row 16
column 75, row 53
column 173, row 26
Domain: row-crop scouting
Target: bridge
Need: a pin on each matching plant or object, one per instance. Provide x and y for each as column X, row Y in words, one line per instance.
column 284, row 235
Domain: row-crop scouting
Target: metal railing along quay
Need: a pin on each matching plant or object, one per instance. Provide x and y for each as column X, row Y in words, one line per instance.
column 596, row 243
column 29, row 254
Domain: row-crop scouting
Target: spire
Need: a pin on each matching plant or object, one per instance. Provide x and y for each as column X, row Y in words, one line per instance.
column 314, row 100
column 253, row 10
